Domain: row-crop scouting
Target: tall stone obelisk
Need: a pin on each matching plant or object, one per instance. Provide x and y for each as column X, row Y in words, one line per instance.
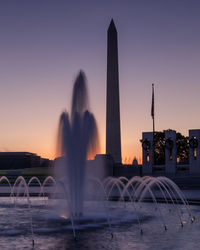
column 113, row 134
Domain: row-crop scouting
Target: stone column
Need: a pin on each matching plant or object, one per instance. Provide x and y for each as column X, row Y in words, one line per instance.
column 170, row 152
column 194, row 151
column 147, row 152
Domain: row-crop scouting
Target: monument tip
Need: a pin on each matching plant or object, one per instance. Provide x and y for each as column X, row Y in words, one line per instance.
column 81, row 75
column 112, row 25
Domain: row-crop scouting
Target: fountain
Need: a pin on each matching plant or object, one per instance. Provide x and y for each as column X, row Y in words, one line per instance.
column 75, row 201
column 78, row 138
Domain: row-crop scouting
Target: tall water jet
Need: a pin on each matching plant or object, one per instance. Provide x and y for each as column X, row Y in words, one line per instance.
column 78, row 138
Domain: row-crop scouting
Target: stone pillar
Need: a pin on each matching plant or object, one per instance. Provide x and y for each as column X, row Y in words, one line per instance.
column 170, row 152
column 113, row 132
column 147, row 153
column 194, row 151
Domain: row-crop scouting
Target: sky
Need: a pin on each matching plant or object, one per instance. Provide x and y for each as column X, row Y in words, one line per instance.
column 45, row 43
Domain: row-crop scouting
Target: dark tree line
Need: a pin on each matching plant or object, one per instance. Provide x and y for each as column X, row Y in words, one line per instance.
column 182, row 144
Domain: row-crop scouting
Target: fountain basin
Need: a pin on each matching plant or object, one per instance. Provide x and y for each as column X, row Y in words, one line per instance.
column 51, row 231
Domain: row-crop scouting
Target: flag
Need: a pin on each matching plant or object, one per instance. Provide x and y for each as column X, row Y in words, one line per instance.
column 152, row 104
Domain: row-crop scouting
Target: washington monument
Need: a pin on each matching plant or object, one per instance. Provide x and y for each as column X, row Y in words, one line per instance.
column 113, row 134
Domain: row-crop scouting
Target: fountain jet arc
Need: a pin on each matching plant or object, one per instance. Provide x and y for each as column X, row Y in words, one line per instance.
column 78, row 138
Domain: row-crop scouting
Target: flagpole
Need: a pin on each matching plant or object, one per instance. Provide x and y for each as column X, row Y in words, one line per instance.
column 153, row 114
column 152, row 108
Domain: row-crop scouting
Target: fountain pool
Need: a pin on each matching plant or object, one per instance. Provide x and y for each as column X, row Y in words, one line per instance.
column 131, row 221
column 53, row 233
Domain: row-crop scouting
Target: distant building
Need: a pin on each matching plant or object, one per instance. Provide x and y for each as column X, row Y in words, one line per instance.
column 135, row 162
column 101, row 167
column 20, row 160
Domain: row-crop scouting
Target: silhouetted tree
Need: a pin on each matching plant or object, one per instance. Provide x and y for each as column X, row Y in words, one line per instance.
column 181, row 144
column 159, row 148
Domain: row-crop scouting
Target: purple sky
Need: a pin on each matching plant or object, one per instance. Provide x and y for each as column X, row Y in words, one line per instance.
column 44, row 43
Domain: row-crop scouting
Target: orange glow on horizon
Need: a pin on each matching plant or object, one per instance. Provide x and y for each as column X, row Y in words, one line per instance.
column 45, row 145
column 127, row 157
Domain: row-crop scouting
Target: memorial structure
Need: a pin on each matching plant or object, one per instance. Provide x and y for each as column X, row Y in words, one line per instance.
column 113, row 133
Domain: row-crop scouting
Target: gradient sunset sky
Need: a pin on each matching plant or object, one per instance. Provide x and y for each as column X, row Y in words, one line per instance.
column 45, row 43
